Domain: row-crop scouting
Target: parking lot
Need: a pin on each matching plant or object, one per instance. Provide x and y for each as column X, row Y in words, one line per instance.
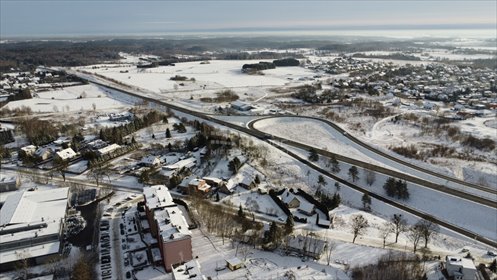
column 114, row 233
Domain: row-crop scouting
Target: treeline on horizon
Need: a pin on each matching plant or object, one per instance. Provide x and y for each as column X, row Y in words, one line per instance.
column 26, row 55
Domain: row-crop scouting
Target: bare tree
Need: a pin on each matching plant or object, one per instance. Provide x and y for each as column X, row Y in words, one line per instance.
column 330, row 246
column 399, row 225
column 415, row 234
column 97, row 172
column 62, row 166
column 359, row 225
column 22, row 266
column 385, row 231
column 370, row 177
column 427, row 228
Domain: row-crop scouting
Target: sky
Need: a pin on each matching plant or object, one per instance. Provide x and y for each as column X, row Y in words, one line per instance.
column 74, row 18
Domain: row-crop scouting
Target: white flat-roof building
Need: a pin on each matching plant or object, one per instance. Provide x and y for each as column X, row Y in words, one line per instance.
column 31, row 223
column 157, row 196
column 65, row 154
column 185, row 163
column 108, row 149
column 460, row 268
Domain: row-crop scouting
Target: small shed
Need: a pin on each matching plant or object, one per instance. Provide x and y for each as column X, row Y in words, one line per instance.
column 234, row 263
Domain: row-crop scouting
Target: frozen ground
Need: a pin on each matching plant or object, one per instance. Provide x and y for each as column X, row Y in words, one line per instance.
column 475, row 217
column 217, row 74
column 67, row 100
column 318, row 134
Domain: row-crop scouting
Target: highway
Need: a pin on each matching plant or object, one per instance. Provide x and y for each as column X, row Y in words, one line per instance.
column 409, row 167
column 390, row 172
column 266, row 137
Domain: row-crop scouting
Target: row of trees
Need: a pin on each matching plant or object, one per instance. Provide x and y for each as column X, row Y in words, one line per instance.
column 39, row 132
column 116, row 134
column 423, row 230
column 396, row 188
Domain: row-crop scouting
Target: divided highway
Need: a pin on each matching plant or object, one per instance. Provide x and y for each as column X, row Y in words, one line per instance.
column 390, row 172
column 265, row 137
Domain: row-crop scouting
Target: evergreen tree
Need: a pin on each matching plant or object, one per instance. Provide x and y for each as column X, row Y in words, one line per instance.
column 241, row 214
column 493, row 266
column 335, row 166
column 168, row 133
column 234, row 165
column 353, row 173
column 321, row 180
column 366, row 202
column 335, row 201
column 313, row 155
column 273, row 235
column 289, row 225
column 257, row 180
column 390, row 187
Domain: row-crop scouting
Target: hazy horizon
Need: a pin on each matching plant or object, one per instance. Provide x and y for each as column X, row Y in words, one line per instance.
column 41, row 19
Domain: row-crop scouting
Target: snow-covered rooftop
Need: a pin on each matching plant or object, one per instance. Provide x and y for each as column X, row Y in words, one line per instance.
column 28, row 217
column 188, row 163
column 458, row 261
column 150, row 160
column 108, row 149
column 188, row 271
column 66, row 154
column 157, row 196
column 172, row 224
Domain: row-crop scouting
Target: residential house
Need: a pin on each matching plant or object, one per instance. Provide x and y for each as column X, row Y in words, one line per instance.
column 64, row 155
column 199, row 186
column 107, row 149
column 296, row 201
column 28, row 150
column 460, row 268
column 44, row 153
column 8, row 184
column 150, row 161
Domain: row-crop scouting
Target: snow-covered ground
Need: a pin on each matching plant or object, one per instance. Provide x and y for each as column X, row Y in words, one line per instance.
column 320, row 135
column 217, row 74
column 475, row 217
column 67, row 100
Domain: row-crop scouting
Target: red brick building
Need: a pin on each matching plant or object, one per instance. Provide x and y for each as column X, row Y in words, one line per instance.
column 168, row 225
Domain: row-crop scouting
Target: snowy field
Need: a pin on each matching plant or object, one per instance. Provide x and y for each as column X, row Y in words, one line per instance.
column 217, row 74
column 67, row 100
